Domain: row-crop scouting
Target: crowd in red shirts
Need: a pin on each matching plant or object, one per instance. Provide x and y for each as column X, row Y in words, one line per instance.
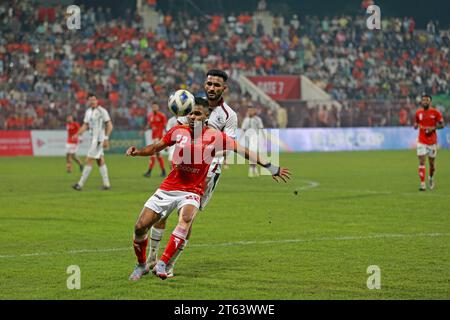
column 47, row 70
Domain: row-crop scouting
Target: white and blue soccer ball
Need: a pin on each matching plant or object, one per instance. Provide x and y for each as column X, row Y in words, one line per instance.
column 181, row 103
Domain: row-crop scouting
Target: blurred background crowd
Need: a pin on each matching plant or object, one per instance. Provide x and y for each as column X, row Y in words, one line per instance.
column 46, row 70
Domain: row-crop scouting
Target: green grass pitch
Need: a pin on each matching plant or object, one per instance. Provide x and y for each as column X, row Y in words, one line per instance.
column 256, row 240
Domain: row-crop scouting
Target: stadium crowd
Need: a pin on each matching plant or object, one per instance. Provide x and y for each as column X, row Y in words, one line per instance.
column 46, row 70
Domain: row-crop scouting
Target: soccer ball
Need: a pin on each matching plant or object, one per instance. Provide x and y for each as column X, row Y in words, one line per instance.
column 181, row 103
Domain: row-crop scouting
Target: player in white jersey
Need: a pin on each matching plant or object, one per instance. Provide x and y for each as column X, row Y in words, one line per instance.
column 252, row 126
column 98, row 121
column 223, row 118
column 172, row 122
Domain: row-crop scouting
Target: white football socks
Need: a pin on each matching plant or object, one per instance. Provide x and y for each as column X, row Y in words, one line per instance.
column 104, row 173
column 155, row 239
column 84, row 176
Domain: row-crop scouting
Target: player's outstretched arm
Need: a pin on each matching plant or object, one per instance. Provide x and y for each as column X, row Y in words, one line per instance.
column 278, row 173
column 146, row 151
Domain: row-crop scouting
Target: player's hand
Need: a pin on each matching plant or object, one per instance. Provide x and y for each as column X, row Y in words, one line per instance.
column 106, row 144
column 132, row 151
column 283, row 174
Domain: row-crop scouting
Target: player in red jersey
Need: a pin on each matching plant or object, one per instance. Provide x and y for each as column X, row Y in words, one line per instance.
column 195, row 147
column 156, row 122
column 72, row 143
column 428, row 120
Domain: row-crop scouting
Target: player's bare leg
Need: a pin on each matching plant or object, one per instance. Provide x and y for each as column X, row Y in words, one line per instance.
column 178, row 237
column 78, row 161
column 204, row 201
column 104, row 173
column 146, row 219
column 432, row 168
column 422, row 173
column 161, row 164
column 69, row 162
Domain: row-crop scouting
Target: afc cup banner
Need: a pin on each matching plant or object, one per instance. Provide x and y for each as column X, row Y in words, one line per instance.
column 353, row 139
column 279, row 87
column 266, row 142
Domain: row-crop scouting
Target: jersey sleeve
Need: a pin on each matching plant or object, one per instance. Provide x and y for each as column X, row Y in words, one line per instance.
column 170, row 138
column 231, row 126
column 86, row 118
column 182, row 120
column 106, row 116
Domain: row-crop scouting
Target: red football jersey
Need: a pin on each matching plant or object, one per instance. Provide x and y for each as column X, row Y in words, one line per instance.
column 192, row 157
column 157, row 122
column 72, row 129
column 427, row 118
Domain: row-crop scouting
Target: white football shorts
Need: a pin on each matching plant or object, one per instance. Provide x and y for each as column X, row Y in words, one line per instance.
column 164, row 202
column 71, row 148
column 426, row 150
column 95, row 150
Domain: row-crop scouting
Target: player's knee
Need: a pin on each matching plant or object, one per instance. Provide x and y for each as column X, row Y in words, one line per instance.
column 140, row 228
column 161, row 224
column 186, row 217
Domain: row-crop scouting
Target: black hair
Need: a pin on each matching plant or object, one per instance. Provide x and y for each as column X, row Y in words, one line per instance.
column 427, row 96
column 218, row 73
column 91, row 94
column 202, row 101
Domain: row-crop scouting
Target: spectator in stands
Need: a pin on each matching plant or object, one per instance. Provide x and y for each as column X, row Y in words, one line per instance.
column 49, row 71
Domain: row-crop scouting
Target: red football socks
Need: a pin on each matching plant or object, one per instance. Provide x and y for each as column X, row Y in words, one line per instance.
column 177, row 238
column 161, row 163
column 140, row 249
column 422, row 173
column 152, row 162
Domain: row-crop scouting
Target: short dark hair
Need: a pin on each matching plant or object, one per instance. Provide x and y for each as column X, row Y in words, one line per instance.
column 202, row 101
column 91, row 94
column 427, row 96
column 218, row 73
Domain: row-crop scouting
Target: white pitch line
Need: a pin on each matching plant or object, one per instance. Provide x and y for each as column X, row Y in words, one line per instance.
column 311, row 185
column 244, row 243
